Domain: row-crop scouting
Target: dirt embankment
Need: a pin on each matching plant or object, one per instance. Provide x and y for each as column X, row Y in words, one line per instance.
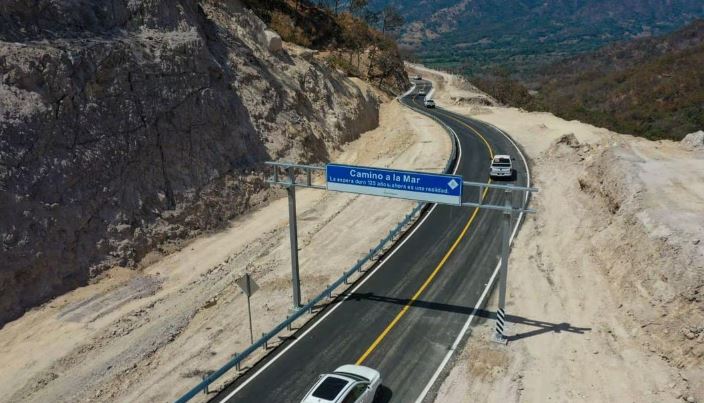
column 150, row 334
column 126, row 128
column 606, row 281
column 451, row 89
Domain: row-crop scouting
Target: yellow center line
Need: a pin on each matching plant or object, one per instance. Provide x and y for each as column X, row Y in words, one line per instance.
column 432, row 275
column 491, row 151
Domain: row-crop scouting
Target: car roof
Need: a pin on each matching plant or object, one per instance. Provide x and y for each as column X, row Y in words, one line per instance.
column 329, row 388
column 502, row 156
column 366, row 373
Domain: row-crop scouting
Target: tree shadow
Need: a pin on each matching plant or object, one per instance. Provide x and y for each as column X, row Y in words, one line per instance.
column 542, row 326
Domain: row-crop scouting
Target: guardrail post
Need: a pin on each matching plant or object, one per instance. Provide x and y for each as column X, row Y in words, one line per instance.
column 266, row 342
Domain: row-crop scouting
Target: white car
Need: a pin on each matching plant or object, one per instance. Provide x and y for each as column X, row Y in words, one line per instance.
column 347, row 384
column 421, row 92
column 416, row 77
column 501, row 167
column 429, row 103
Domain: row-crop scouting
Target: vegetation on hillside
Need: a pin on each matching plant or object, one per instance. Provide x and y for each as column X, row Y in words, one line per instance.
column 477, row 36
column 349, row 35
column 650, row 87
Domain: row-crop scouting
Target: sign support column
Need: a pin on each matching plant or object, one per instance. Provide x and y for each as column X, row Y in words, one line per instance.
column 499, row 336
column 293, row 235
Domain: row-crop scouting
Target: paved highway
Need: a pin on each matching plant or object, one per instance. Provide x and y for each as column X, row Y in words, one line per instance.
column 403, row 316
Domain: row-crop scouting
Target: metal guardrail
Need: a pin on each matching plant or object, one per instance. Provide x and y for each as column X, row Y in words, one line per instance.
column 327, row 293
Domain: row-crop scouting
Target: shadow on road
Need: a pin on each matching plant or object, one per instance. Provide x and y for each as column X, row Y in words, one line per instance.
column 542, row 327
column 384, row 396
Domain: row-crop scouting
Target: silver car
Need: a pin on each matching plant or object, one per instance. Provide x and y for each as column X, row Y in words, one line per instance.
column 347, row 384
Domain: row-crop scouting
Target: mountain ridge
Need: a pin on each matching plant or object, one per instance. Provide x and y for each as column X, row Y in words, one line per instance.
column 472, row 36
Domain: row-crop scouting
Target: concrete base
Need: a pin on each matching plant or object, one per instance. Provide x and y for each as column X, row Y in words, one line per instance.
column 499, row 338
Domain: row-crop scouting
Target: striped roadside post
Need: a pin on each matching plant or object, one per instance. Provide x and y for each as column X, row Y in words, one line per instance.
column 499, row 333
column 500, row 325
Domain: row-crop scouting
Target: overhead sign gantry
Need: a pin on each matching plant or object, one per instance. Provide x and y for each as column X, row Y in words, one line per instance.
column 420, row 186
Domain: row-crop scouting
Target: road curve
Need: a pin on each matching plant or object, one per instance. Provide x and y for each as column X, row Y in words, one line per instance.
column 403, row 316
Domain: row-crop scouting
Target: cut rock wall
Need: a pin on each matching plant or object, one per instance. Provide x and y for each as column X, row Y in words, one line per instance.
column 127, row 125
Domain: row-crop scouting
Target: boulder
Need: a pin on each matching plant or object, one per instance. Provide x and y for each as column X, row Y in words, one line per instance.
column 694, row 141
column 273, row 41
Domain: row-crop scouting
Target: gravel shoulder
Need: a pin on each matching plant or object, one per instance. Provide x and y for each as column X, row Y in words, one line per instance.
column 151, row 334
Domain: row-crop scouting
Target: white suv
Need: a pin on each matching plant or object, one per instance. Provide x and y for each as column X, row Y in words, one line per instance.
column 429, row 103
column 347, row 384
column 501, row 167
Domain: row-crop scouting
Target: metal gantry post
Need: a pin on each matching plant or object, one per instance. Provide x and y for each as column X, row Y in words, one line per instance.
column 293, row 234
column 499, row 336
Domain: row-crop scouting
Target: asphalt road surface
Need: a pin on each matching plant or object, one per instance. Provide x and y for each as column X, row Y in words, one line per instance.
column 404, row 315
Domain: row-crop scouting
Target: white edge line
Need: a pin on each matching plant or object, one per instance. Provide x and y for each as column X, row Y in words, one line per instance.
column 405, row 94
column 364, row 280
column 462, row 333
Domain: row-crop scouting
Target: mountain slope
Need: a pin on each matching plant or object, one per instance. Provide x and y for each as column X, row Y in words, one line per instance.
column 651, row 87
column 473, row 35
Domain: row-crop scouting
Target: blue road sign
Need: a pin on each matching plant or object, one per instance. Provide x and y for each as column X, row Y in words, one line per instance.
column 435, row 188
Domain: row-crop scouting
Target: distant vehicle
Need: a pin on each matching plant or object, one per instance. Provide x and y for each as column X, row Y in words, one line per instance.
column 501, row 167
column 429, row 103
column 347, row 384
column 421, row 92
column 416, row 77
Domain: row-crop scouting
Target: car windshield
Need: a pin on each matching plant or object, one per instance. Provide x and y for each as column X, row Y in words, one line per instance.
column 330, row 387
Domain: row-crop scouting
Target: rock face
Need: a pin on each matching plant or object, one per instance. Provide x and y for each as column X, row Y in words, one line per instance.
column 125, row 124
column 694, row 141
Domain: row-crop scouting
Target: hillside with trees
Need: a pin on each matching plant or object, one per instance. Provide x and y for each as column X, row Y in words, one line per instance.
column 348, row 35
column 651, row 87
column 479, row 35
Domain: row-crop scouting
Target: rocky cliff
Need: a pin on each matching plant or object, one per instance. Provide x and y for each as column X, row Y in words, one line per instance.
column 125, row 124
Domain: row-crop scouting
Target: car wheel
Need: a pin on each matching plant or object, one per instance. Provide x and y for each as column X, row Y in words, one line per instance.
column 377, row 394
